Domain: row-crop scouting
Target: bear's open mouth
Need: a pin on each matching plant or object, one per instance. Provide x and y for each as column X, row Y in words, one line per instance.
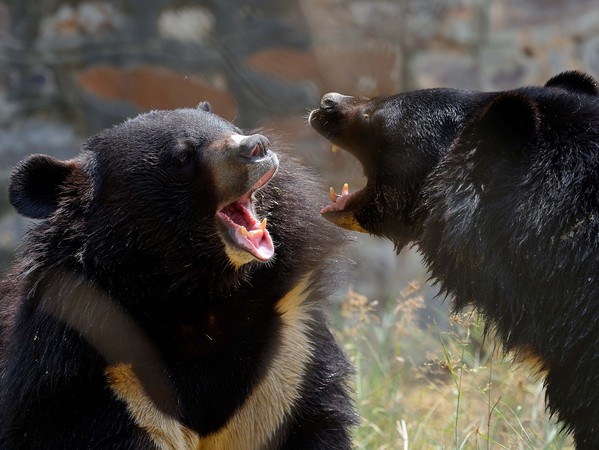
column 244, row 229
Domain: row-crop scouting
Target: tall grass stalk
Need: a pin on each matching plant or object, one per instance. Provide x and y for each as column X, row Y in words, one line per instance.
column 428, row 384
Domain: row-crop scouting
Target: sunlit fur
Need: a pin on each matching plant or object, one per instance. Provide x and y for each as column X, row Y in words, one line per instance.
column 126, row 325
column 500, row 193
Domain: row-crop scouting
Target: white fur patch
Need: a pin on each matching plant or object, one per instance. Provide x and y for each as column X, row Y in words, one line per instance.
column 263, row 412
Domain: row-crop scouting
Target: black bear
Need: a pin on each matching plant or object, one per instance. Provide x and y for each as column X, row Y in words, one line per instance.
column 171, row 297
column 500, row 193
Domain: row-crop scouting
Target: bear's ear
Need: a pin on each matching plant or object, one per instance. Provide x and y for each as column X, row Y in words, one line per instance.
column 575, row 82
column 509, row 121
column 204, row 106
column 35, row 184
column 501, row 133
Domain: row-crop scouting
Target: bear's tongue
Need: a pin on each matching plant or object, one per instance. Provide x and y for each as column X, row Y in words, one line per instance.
column 246, row 231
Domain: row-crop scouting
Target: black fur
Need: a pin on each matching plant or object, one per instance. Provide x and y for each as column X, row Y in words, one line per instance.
column 500, row 192
column 128, row 265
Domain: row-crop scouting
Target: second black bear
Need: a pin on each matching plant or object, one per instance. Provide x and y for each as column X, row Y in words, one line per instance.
column 500, row 193
column 171, row 297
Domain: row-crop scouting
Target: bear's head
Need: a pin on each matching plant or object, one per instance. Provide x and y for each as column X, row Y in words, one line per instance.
column 401, row 139
column 167, row 186
column 398, row 140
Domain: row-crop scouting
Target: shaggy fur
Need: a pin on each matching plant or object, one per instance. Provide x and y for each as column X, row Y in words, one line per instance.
column 135, row 318
column 500, row 193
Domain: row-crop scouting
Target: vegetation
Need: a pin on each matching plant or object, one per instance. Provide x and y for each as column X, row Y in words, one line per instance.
column 420, row 385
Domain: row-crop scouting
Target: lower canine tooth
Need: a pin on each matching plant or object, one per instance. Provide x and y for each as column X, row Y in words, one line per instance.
column 244, row 231
column 345, row 189
column 332, row 195
column 263, row 224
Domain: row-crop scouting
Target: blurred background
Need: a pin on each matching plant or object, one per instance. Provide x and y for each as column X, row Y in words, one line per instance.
column 69, row 68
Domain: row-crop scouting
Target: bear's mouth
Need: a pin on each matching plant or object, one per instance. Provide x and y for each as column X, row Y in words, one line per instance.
column 339, row 203
column 342, row 209
column 244, row 229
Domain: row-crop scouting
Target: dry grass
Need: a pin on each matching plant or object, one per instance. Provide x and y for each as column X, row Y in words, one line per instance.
column 420, row 387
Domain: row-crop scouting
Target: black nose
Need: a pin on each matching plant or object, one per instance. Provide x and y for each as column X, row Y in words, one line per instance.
column 253, row 147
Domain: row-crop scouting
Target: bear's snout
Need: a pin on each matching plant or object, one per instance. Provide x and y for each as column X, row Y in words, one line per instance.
column 253, row 147
column 333, row 100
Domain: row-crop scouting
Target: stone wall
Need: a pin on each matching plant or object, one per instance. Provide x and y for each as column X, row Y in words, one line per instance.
column 69, row 68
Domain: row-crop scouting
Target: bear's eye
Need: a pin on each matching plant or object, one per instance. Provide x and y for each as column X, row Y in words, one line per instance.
column 184, row 157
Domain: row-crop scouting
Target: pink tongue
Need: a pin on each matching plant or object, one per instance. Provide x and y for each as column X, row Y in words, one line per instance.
column 246, row 231
column 257, row 242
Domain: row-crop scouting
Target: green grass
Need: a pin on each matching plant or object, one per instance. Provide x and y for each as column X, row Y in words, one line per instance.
column 422, row 387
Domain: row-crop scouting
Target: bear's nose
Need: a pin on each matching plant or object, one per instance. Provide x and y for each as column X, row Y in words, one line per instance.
column 332, row 99
column 251, row 147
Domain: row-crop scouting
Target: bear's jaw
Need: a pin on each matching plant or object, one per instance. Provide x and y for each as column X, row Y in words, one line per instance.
column 245, row 231
column 245, row 237
column 341, row 210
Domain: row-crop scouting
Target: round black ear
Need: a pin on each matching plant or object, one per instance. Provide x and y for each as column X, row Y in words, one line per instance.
column 510, row 119
column 204, row 106
column 576, row 82
column 35, row 183
column 501, row 133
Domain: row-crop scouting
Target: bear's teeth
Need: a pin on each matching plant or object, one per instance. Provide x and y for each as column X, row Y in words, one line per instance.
column 333, row 195
column 253, row 233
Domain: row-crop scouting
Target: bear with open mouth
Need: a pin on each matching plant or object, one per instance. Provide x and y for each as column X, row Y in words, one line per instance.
column 500, row 193
column 171, row 296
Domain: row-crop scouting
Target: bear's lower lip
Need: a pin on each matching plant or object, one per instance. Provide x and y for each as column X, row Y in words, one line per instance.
column 342, row 208
column 244, row 230
column 340, row 202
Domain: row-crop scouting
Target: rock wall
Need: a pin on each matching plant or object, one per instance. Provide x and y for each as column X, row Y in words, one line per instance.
column 69, row 68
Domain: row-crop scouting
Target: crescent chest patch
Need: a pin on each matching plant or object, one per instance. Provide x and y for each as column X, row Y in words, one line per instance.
column 256, row 422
